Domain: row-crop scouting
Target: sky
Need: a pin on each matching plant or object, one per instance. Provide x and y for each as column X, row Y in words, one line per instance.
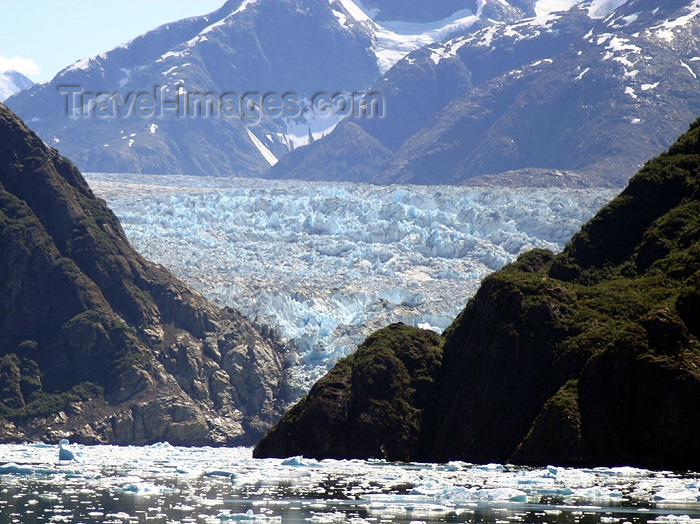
column 38, row 38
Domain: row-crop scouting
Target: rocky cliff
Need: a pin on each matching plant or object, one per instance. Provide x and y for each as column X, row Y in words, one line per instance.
column 588, row 357
column 369, row 405
column 99, row 345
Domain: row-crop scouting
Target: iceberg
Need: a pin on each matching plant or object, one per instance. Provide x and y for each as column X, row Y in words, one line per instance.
column 64, row 451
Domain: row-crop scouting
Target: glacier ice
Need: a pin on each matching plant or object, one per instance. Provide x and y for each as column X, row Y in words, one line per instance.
column 328, row 263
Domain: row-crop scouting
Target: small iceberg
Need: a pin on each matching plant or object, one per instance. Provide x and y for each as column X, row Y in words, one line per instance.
column 247, row 516
column 299, row 461
column 219, row 473
column 64, row 451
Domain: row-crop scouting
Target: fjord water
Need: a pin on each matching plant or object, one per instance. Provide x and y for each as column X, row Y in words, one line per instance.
column 167, row 484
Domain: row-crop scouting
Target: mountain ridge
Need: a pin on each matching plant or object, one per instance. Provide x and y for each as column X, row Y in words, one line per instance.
column 12, row 82
column 100, row 345
column 244, row 48
column 559, row 92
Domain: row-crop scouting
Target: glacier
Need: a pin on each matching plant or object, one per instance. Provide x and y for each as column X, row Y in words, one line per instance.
column 326, row 264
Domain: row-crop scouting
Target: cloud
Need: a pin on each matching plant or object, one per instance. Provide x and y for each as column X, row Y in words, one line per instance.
column 26, row 66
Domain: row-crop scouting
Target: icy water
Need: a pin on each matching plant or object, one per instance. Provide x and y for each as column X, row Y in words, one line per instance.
column 162, row 483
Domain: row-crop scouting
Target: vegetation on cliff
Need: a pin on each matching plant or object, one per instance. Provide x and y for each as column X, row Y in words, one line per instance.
column 369, row 405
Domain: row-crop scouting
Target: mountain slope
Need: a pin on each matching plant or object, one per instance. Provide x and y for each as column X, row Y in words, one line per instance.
column 241, row 49
column 370, row 404
column 585, row 90
column 100, row 345
column 617, row 97
column 589, row 357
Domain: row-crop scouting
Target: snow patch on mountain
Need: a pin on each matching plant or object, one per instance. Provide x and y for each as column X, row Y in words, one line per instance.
column 666, row 31
column 243, row 6
column 544, row 7
column 309, row 126
column 264, row 151
column 459, row 21
column 83, row 64
column 396, row 39
column 603, row 8
column 690, row 69
column 580, row 75
column 447, row 50
column 355, row 11
column 391, row 47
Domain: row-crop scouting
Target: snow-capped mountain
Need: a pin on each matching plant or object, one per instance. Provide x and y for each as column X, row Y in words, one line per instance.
column 258, row 66
column 582, row 93
column 12, row 82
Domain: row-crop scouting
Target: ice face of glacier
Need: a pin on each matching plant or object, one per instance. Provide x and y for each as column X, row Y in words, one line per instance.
column 326, row 264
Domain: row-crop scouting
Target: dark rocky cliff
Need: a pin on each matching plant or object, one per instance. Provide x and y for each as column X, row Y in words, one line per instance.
column 369, row 405
column 589, row 357
column 99, row 345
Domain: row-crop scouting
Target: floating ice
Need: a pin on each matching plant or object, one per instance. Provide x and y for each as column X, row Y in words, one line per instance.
column 219, row 473
column 143, row 484
column 248, row 515
column 299, row 461
column 64, row 451
column 15, row 469
column 683, row 519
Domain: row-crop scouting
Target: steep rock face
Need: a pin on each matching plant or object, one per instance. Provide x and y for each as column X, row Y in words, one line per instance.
column 371, row 404
column 617, row 371
column 589, row 357
column 100, row 345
